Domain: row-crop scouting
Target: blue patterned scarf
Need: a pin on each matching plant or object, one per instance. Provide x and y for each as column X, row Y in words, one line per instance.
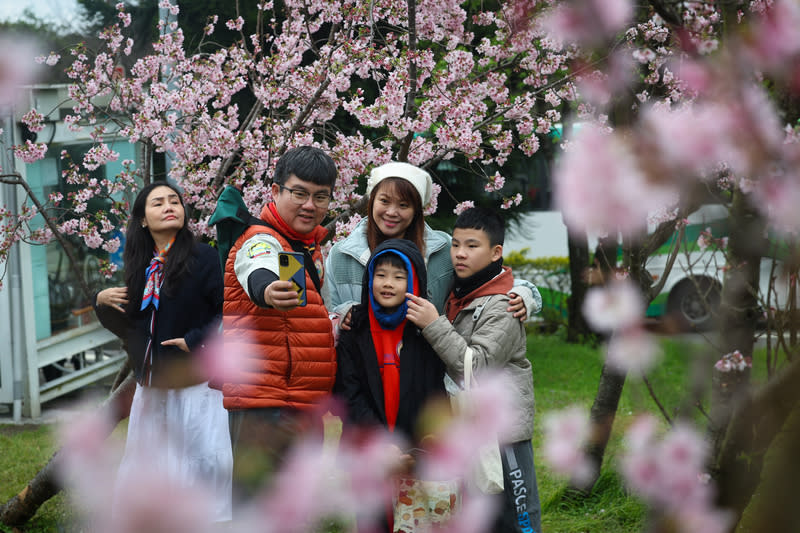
column 155, row 277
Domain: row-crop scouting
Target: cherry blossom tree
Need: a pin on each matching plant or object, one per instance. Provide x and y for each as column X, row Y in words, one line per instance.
column 415, row 78
column 701, row 121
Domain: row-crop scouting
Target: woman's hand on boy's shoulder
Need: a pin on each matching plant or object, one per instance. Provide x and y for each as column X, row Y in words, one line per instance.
column 516, row 305
column 346, row 323
column 421, row 312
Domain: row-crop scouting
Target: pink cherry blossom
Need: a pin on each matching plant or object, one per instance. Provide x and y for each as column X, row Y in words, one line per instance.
column 774, row 39
column 733, row 361
column 641, row 433
column 589, row 21
column 705, row 520
column 508, row 202
column 599, row 185
column 463, row 206
column 368, row 488
column 693, row 139
column 495, row 183
column 343, row 229
column 235, row 24
column 598, row 86
column 222, row 360
column 614, row 307
column 433, row 204
column 693, row 118
column 705, row 239
column 152, row 502
column 667, row 472
column 148, row 500
column 474, row 516
column 88, row 460
column 183, row 103
column 566, row 433
column 776, row 197
column 632, row 350
column 488, row 415
column 301, row 492
column 33, row 120
column 17, row 67
column 30, row 152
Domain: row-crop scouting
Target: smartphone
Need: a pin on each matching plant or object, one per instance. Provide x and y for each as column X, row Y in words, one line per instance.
column 291, row 268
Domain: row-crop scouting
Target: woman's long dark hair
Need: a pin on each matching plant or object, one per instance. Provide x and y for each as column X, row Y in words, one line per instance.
column 415, row 232
column 139, row 247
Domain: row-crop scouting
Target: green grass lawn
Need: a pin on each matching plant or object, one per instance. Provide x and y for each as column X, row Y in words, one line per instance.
column 564, row 375
column 25, row 450
column 567, row 375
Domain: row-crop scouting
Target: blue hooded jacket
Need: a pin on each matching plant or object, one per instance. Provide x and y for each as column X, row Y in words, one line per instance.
column 358, row 378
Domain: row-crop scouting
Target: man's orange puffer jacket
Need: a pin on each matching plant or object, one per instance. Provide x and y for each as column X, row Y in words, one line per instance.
column 289, row 357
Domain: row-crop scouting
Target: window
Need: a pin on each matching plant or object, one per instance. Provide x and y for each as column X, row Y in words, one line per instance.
column 59, row 302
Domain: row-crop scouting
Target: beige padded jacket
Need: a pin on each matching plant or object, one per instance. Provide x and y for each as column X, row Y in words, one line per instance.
column 498, row 341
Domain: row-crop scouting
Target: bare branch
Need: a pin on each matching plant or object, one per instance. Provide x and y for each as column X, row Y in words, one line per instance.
column 405, row 145
column 673, row 254
column 16, row 179
column 21, row 507
column 660, row 406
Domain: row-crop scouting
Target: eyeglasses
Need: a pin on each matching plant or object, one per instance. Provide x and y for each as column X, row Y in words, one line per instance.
column 299, row 197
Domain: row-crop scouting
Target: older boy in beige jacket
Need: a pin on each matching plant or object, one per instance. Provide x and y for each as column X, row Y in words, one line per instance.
column 476, row 317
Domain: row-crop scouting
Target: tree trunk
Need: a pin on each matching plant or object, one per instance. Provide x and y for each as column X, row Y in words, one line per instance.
column 577, row 328
column 739, row 309
column 609, row 389
column 21, row 508
column 601, row 419
column 772, row 507
column 753, row 439
column 44, row 485
column 610, row 385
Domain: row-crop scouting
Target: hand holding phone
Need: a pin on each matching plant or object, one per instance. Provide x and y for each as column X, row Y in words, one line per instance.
column 291, row 268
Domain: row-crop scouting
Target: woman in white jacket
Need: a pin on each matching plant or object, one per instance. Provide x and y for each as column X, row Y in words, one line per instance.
column 398, row 193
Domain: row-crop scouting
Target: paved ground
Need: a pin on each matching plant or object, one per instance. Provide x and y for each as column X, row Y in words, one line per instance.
column 59, row 409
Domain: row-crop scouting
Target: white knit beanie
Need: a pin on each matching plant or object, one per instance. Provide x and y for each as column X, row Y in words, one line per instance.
column 419, row 178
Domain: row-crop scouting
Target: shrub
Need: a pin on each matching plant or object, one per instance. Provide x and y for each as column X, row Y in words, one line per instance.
column 551, row 277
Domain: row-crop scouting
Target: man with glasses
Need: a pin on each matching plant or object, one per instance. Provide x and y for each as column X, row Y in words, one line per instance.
column 288, row 359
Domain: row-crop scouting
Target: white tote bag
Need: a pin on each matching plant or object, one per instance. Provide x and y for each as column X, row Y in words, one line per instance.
column 487, row 474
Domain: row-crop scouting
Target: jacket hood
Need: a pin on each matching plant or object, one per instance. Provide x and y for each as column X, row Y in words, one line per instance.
column 407, row 249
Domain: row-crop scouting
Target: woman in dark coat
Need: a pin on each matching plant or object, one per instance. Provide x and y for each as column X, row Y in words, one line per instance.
column 171, row 305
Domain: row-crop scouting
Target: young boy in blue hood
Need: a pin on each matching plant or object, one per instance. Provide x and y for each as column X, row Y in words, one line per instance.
column 384, row 358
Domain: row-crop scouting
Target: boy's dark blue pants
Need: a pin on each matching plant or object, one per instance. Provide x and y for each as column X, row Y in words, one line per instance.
column 520, row 510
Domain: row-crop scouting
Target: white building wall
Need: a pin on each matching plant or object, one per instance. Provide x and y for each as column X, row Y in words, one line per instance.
column 27, row 343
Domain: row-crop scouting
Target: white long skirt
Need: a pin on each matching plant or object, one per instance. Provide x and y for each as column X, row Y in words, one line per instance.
column 183, row 435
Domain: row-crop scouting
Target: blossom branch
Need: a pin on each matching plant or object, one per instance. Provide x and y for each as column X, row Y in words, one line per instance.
column 247, row 125
column 656, row 400
column 16, row 179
